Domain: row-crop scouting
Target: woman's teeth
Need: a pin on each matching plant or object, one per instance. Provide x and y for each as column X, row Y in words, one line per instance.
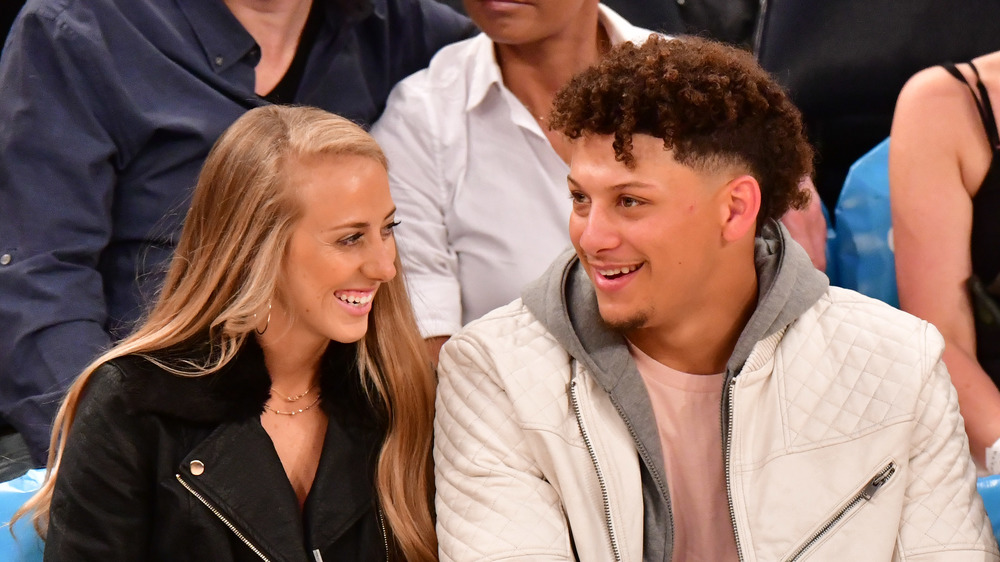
column 357, row 300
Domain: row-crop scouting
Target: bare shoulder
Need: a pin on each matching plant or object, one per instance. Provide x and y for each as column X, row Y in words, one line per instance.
column 936, row 125
column 988, row 66
column 933, row 115
column 934, row 86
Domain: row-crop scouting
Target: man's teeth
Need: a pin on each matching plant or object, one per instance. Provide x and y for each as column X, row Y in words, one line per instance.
column 357, row 300
column 618, row 271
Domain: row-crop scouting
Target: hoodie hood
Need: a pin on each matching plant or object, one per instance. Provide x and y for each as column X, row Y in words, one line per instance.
column 564, row 301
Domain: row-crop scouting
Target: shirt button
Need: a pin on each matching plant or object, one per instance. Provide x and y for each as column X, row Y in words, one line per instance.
column 197, row 468
column 5, row 259
column 219, row 60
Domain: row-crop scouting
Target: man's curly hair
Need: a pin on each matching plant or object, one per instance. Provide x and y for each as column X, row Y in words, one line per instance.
column 711, row 104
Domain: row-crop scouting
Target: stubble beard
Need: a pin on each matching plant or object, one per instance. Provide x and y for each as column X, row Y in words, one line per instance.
column 625, row 325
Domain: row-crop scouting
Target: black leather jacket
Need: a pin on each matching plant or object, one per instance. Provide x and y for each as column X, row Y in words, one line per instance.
column 161, row 467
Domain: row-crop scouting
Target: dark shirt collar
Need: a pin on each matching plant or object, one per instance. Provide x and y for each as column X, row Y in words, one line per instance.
column 222, row 37
column 225, row 41
column 357, row 10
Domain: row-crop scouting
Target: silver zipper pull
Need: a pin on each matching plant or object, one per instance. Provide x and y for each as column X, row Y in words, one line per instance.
column 317, row 555
column 877, row 482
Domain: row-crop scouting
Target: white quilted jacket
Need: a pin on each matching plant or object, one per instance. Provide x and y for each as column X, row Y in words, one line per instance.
column 846, row 445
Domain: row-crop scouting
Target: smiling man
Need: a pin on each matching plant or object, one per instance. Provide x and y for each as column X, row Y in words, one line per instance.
column 685, row 385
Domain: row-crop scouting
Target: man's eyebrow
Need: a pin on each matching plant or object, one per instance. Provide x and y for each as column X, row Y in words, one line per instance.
column 616, row 187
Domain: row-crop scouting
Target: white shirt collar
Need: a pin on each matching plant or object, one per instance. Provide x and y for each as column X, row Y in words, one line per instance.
column 486, row 71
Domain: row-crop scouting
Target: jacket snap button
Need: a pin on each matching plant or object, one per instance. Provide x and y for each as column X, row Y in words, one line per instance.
column 197, row 468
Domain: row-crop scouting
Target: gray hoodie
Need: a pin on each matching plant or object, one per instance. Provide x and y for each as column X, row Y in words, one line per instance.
column 564, row 301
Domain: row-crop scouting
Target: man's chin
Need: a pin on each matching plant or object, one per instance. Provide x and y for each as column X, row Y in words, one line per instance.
column 624, row 323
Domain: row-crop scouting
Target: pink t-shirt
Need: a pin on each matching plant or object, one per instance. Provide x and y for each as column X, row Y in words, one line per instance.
column 687, row 410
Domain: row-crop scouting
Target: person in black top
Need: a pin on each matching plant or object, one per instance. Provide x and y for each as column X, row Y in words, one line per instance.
column 944, row 175
column 277, row 402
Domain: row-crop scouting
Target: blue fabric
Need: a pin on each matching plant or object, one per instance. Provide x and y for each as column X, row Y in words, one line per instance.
column 24, row 545
column 863, row 258
column 108, row 109
column 989, row 489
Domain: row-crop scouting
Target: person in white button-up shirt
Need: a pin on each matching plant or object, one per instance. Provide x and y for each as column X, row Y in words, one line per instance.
column 479, row 182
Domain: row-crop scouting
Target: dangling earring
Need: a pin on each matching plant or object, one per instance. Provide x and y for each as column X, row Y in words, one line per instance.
column 266, row 322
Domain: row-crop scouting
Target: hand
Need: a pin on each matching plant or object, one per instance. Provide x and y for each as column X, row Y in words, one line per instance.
column 808, row 226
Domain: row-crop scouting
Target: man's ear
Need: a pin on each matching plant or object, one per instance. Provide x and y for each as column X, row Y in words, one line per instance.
column 741, row 205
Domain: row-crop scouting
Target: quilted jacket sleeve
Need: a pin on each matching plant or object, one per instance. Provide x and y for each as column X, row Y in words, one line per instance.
column 493, row 501
column 943, row 515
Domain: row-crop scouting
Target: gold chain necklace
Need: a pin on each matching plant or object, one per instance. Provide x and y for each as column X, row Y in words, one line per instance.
column 290, row 412
column 295, row 398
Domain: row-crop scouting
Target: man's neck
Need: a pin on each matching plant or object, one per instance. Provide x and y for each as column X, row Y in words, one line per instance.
column 276, row 26
column 534, row 72
column 702, row 340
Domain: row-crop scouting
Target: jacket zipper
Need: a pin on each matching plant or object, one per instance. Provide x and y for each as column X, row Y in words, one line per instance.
column 597, row 468
column 729, row 447
column 645, row 457
column 866, row 494
column 385, row 536
column 222, row 518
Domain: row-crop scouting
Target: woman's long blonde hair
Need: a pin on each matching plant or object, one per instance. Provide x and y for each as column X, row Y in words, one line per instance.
column 226, row 268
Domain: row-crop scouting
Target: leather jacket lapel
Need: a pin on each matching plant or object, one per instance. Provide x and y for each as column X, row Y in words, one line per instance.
column 238, row 472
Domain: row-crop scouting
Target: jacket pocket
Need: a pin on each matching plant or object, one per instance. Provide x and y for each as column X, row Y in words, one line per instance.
column 871, row 487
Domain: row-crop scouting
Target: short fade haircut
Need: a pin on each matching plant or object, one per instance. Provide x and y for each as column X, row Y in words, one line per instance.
column 711, row 104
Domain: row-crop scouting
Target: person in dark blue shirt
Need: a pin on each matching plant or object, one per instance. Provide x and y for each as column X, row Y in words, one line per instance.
column 108, row 110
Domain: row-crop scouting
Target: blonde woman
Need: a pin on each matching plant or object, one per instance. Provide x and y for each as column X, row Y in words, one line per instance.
column 277, row 402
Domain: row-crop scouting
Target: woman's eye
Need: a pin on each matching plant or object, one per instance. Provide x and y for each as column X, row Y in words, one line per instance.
column 387, row 230
column 577, row 198
column 350, row 240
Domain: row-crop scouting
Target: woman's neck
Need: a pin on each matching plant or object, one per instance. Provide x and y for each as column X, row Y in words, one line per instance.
column 276, row 26
column 534, row 72
column 293, row 368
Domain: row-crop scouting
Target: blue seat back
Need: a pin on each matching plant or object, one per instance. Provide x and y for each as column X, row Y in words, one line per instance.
column 862, row 252
column 989, row 489
column 24, row 545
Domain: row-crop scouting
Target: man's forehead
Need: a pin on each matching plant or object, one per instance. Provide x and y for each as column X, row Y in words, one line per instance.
column 595, row 155
column 593, row 166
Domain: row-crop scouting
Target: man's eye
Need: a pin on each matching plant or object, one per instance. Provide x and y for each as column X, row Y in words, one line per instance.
column 629, row 202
